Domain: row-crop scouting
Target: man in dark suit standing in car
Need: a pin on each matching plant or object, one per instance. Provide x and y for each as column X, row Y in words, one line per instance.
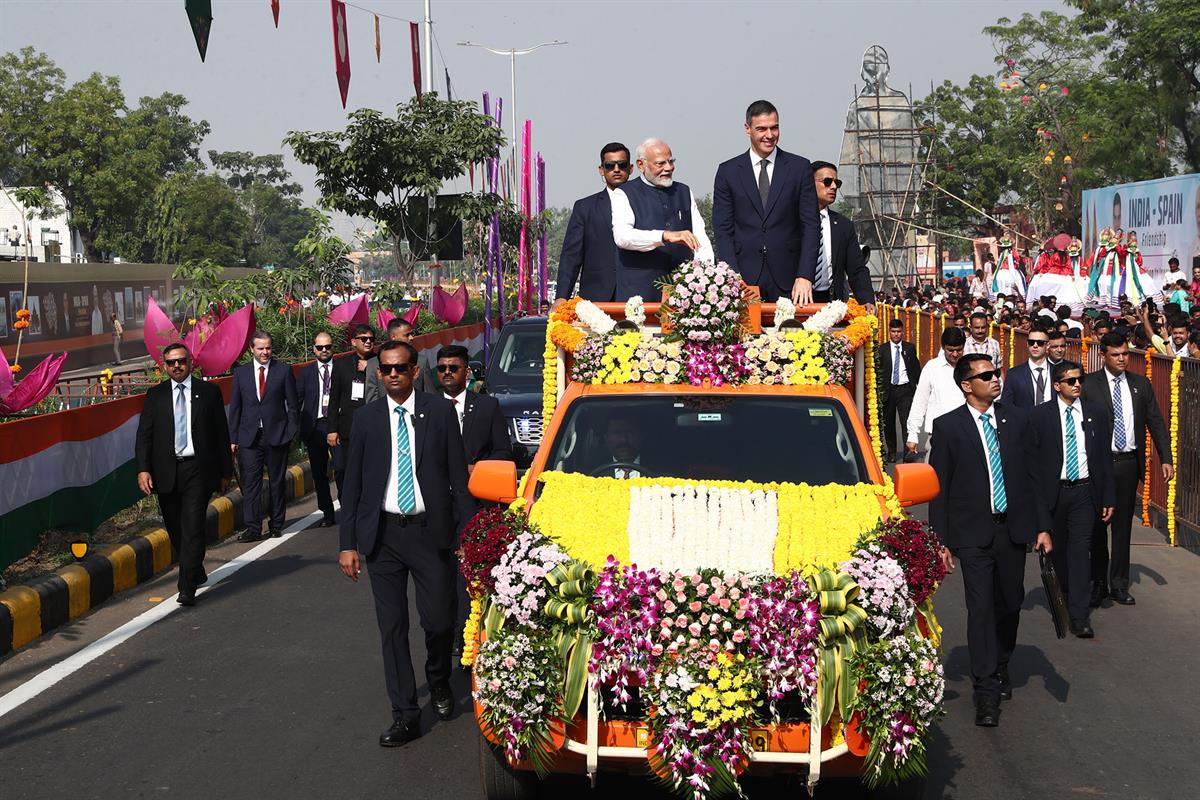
column 263, row 419
column 764, row 213
column 314, row 386
column 985, row 518
column 1129, row 398
column 899, row 371
column 841, row 267
column 1072, row 439
column 405, row 499
column 589, row 253
column 183, row 454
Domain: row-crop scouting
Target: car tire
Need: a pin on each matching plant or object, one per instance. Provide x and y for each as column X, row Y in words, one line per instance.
column 500, row 780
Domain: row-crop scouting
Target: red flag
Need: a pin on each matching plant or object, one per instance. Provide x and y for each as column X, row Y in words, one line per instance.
column 341, row 47
column 275, row 11
column 376, row 38
column 471, row 170
column 414, row 32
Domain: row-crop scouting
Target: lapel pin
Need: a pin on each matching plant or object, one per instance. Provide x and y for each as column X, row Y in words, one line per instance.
column 422, row 416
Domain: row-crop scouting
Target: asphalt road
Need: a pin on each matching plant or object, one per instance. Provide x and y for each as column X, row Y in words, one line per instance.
column 272, row 687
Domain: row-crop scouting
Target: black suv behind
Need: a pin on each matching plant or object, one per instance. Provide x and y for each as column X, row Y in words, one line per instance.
column 514, row 377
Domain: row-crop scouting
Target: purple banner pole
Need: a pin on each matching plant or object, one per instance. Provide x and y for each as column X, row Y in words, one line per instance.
column 541, row 208
column 487, row 264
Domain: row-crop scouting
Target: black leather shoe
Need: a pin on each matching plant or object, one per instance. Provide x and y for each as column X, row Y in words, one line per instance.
column 400, row 734
column 250, row 536
column 987, row 713
column 1082, row 629
column 1123, row 597
column 328, row 521
column 443, row 701
column 274, row 534
column 187, row 598
column 1099, row 592
column 1005, row 683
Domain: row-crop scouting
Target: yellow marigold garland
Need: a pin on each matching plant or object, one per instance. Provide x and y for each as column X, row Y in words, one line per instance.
column 549, row 377
column 1010, row 345
column 1146, row 477
column 917, row 324
column 1176, row 369
column 471, row 632
column 587, row 516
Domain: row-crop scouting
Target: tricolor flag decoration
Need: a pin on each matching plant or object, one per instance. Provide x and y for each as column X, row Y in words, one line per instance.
column 341, row 47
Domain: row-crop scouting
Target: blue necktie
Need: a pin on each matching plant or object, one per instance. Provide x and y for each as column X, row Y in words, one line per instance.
column 1072, row 448
column 999, row 497
column 896, row 366
column 1119, row 442
column 181, row 432
column 406, row 498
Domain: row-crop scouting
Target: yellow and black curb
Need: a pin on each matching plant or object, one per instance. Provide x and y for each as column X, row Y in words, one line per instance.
column 43, row 604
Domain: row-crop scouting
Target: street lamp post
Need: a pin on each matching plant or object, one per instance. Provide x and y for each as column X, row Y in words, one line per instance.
column 512, row 54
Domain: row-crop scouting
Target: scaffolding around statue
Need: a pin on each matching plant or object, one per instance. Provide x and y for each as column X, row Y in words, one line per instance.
column 884, row 158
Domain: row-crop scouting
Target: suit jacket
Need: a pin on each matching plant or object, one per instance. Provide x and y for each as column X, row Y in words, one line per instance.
column 850, row 271
column 341, row 403
column 961, row 513
column 777, row 243
column 155, row 444
column 1046, row 439
column 277, row 413
column 589, row 253
column 1018, row 385
column 441, row 473
column 484, row 434
column 308, row 389
column 911, row 363
column 1145, row 413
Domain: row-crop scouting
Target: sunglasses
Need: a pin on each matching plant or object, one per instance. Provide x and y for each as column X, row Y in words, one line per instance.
column 366, row 339
column 609, row 166
column 1038, row 342
column 322, row 347
column 391, row 369
column 175, row 362
column 831, row 182
column 986, row 375
column 1070, row 381
column 449, row 368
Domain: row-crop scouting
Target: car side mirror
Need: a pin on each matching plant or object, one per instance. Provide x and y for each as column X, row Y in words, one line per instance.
column 495, row 481
column 476, row 368
column 915, row 484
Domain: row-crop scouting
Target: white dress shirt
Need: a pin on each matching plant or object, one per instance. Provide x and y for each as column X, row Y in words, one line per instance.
column 987, row 459
column 628, row 237
column 1080, row 444
column 988, row 347
column 1131, row 436
column 824, row 277
column 898, row 358
column 936, row 394
column 755, row 158
column 324, row 385
column 460, row 406
column 1033, row 376
column 265, row 370
column 389, row 493
column 190, row 450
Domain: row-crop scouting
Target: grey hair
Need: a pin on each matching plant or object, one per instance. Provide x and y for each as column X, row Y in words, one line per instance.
column 260, row 334
column 651, row 142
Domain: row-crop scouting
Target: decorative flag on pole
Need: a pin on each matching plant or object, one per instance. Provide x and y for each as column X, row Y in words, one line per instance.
column 275, row 11
column 376, row 38
column 414, row 33
column 449, row 96
column 341, row 47
column 200, row 16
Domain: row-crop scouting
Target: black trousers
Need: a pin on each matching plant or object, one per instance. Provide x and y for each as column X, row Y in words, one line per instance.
column 994, row 580
column 1113, row 571
column 1074, row 519
column 318, row 458
column 183, row 512
column 252, row 459
column 401, row 551
column 337, row 457
column 897, row 403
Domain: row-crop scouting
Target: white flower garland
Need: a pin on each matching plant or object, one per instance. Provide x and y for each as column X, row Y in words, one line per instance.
column 824, row 320
column 785, row 309
column 635, row 310
column 589, row 314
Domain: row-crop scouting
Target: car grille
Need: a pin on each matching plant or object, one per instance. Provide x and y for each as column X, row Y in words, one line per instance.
column 528, row 430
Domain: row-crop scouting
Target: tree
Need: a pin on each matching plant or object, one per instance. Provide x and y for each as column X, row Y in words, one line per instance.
column 385, row 169
column 196, row 216
column 29, row 82
column 277, row 218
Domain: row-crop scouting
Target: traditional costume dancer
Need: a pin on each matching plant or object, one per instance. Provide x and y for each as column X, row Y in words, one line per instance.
column 1117, row 270
column 1007, row 278
column 1055, row 276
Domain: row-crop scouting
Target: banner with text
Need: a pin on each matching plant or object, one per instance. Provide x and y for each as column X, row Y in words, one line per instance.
column 1164, row 212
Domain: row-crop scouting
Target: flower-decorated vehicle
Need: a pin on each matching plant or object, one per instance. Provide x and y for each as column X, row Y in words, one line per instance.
column 705, row 571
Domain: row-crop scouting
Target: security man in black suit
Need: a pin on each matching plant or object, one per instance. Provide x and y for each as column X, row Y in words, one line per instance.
column 898, row 379
column 314, row 385
column 1072, row 439
column 1028, row 384
column 350, row 390
column 263, row 419
column 405, row 498
column 1129, row 398
column 183, row 454
column 841, row 267
column 589, row 253
column 984, row 516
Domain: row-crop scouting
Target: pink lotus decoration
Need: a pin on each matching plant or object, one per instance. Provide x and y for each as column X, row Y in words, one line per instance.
column 352, row 312
column 215, row 347
column 33, row 388
column 385, row 316
column 449, row 308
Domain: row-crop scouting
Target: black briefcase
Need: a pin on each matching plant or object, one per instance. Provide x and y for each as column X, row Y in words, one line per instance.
column 1054, row 596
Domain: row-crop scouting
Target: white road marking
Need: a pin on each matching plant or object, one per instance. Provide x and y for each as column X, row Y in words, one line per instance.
column 53, row 674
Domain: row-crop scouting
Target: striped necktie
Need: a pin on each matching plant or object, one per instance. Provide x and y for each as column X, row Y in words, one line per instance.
column 999, row 497
column 406, row 497
column 1119, row 442
column 1072, row 448
column 181, row 431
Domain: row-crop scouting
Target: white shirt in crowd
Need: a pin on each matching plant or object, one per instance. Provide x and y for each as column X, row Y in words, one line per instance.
column 936, row 394
column 628, row 237
column 190, row 450
column 390, row 503
column 1126, row 413
column 263, row 370
column 978, row 415
column 755, row 158
column 1046, row 369
column 324, row 385
column 898, row 358
column 988, row 347
column 824, row 276
column 1080, row 445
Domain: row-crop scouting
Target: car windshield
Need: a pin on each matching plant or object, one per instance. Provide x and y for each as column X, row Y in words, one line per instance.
column 710, row 437
column 520, row 355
